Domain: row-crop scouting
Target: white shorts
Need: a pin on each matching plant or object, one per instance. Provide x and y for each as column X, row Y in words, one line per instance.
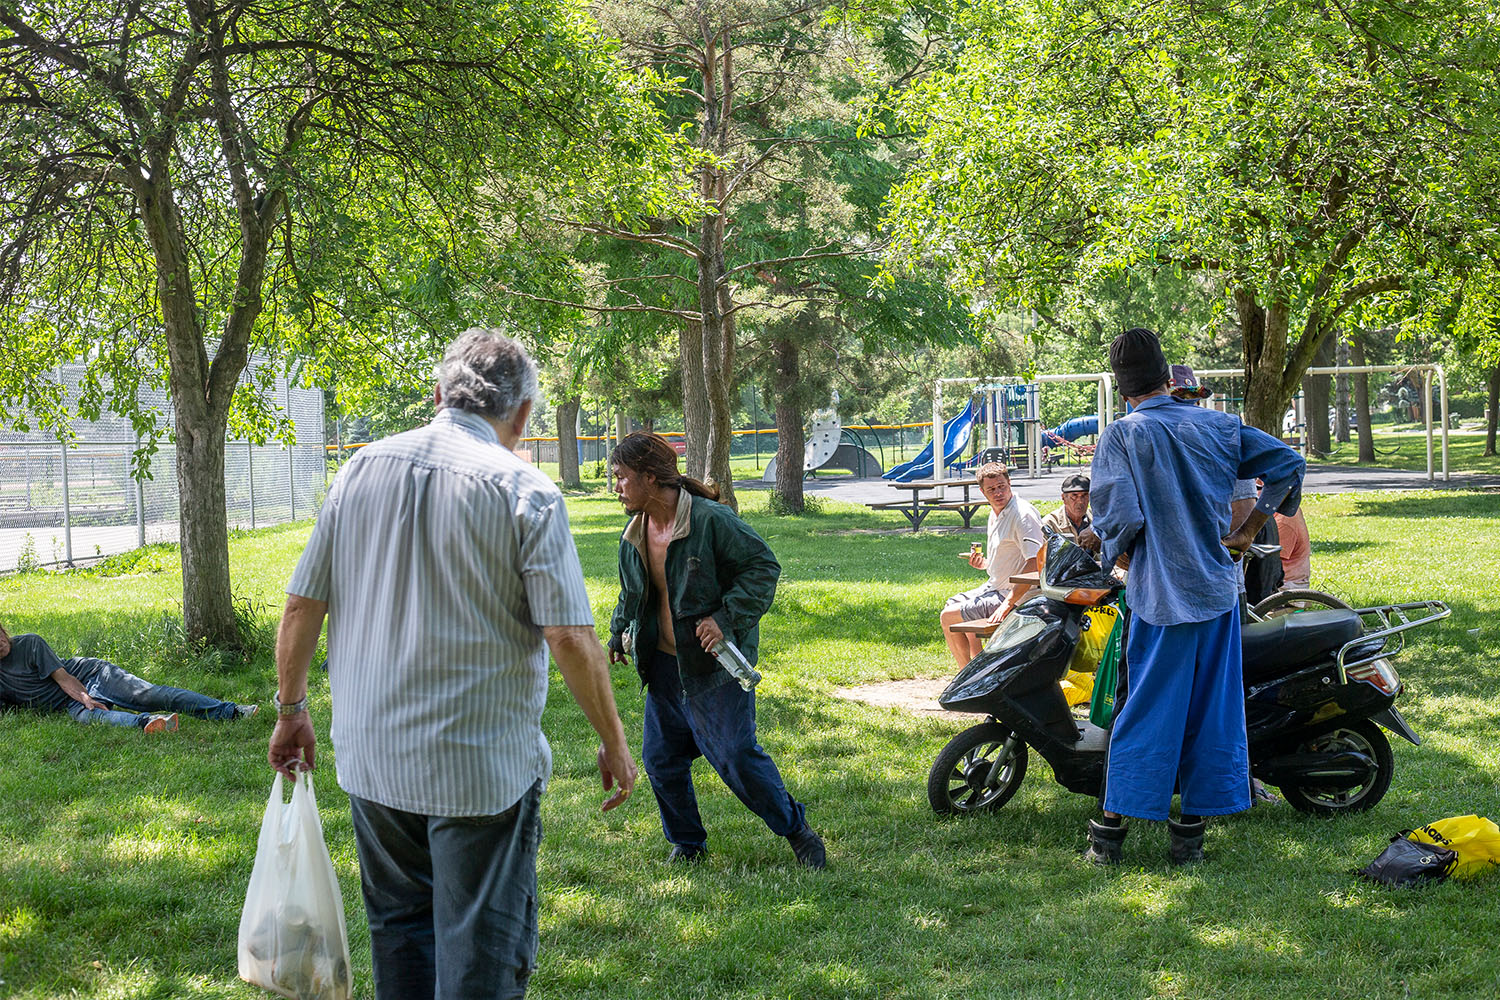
column 981, row 602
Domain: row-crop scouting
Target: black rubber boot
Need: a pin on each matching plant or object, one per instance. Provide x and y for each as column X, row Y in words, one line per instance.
column 1186, row 846
column 1105, row 843
column 808, row 847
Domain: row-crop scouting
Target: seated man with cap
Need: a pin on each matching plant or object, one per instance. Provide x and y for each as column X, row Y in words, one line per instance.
column 1163, row 476
column 1072, row 520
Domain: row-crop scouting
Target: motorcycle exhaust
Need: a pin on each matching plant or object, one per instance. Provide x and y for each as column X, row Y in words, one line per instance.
column 1338, row 771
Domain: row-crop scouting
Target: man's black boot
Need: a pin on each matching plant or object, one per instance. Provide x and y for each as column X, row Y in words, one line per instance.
column 1105, row 843
column 682, row 854
column 1186, row 845
column 808, row 847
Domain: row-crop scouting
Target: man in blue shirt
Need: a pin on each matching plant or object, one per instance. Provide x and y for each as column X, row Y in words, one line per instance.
column 1162, row 480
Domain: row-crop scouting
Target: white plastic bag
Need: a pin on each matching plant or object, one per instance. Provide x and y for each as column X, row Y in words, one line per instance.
column 292, row 935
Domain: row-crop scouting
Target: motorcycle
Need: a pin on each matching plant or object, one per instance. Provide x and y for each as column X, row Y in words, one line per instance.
column 1319, row 687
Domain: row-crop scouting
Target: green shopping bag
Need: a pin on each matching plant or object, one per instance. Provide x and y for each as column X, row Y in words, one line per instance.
column 1102, row 706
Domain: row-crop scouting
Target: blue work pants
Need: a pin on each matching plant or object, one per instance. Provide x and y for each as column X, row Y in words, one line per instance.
column 1182, row 722
column 718, row 724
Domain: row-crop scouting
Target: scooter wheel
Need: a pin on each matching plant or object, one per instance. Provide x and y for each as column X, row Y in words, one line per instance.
column 1361, row 737
column 978, row 771
column 1290, row 602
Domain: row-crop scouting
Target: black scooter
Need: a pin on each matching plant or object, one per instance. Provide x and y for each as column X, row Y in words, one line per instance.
column 1318, row 687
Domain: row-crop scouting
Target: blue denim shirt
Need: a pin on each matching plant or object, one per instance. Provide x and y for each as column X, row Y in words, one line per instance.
column 1162, row 480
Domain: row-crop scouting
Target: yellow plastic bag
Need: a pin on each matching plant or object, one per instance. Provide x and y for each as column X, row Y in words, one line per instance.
column 1093, row 634
column 1475, row 839
column 1077, row 687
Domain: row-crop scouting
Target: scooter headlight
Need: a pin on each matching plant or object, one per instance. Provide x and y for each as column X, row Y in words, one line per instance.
column 1015, row 630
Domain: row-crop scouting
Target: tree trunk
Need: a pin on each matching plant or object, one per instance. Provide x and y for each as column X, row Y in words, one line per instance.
column 1494, row 400
column 1315, row 392
column 1362, row 403
column 694, row 399
column 567, row 442
column 1264, row 331
column 789, row 444
column 718, row 343
column 201, row 395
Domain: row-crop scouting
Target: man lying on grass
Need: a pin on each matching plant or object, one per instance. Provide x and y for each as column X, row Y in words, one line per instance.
column 94, row 690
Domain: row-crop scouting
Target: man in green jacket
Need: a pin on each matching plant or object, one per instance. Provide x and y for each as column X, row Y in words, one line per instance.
column 692, row 573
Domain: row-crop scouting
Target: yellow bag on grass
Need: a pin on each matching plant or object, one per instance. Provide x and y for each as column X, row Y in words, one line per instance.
column 1093, row 635
column 1475, row 839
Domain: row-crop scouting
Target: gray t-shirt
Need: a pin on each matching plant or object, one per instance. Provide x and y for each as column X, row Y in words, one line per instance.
column 26, row 674
column 440, row 555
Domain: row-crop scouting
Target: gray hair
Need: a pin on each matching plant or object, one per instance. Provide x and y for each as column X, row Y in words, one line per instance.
column 487, row 373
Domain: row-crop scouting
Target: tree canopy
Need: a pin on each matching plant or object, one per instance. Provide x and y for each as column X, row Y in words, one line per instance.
column 1323, row 162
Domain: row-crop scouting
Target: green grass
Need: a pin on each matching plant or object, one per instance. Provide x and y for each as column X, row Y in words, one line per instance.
column 1407, row 449
column 124, row 859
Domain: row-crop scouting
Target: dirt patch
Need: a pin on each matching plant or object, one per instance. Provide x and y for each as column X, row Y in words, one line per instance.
column 917, row 696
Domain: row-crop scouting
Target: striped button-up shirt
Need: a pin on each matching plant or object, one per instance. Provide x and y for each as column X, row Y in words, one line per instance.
column 440, row 555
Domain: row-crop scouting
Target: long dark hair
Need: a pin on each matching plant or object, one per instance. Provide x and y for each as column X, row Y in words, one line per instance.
column 651, row 455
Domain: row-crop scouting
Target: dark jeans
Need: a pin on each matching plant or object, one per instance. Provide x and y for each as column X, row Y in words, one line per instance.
column 718, row 724
column 451, row 900
column 127, row 692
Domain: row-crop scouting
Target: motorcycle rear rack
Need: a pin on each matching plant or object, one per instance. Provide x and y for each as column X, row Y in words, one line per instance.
column 1429, row 612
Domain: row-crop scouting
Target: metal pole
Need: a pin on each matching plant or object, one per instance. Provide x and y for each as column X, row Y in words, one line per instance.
column 250, row 475
column 937, row 436
column 140, row 501
column 291, row 456
column 67, row 506
column 1443, row 396
column 755, row 409
column 1427, row 418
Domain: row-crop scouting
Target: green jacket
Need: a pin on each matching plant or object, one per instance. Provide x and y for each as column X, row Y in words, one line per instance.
column 717, row 566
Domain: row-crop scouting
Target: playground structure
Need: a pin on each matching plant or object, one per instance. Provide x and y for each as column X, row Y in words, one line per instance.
column 830, row 445
column 1017, row 431
column 1016, row 427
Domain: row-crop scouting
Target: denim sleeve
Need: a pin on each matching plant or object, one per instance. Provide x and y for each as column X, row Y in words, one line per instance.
column 1118, row 517
column 1264, row 457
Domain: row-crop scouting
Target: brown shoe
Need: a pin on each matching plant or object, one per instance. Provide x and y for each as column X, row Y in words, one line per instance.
column 161, row 724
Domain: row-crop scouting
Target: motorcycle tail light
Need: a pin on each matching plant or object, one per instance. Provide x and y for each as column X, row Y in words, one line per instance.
column 1378, row 673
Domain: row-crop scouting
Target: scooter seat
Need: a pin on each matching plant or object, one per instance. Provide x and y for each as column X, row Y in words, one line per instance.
column 1272, row 648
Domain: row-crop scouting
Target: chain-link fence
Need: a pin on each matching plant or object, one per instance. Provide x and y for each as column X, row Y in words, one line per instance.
column 61, row 503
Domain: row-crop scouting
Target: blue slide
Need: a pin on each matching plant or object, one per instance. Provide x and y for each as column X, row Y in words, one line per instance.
column 956, row 434
column 1072, row 430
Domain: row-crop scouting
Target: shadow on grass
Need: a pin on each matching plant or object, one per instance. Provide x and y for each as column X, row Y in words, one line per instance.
column 1428, row 506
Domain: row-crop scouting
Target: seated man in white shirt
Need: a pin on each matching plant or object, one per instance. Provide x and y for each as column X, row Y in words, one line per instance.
column 1014, row 535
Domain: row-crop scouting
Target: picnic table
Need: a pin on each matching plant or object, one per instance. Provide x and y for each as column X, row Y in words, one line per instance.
column 916, row 507
column 985, row 627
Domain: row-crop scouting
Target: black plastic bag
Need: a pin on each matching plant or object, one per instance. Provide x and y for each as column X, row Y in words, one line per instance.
column 1404, row 864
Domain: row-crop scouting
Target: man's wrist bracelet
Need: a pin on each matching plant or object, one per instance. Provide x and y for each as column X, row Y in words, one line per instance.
column 294, row 708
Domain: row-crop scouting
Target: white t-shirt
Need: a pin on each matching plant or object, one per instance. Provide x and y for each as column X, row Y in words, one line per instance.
column 1014, row 536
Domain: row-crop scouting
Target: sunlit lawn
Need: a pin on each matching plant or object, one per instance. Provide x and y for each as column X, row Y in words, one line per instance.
column 124, row 859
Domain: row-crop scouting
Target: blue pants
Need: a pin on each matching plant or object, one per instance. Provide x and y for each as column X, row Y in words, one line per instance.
column 451, row 900
column 718, row 724
column 131, row 694
column 1182, row 722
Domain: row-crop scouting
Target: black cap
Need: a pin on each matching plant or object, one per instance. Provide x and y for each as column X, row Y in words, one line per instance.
column 1139, row 365
column 1076, row 483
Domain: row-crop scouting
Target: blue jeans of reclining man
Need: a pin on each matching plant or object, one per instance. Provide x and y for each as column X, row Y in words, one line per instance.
column 108, row 683
column 718, row 724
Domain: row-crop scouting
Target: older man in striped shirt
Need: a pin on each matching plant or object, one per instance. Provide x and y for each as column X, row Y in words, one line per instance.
column 443, row 562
